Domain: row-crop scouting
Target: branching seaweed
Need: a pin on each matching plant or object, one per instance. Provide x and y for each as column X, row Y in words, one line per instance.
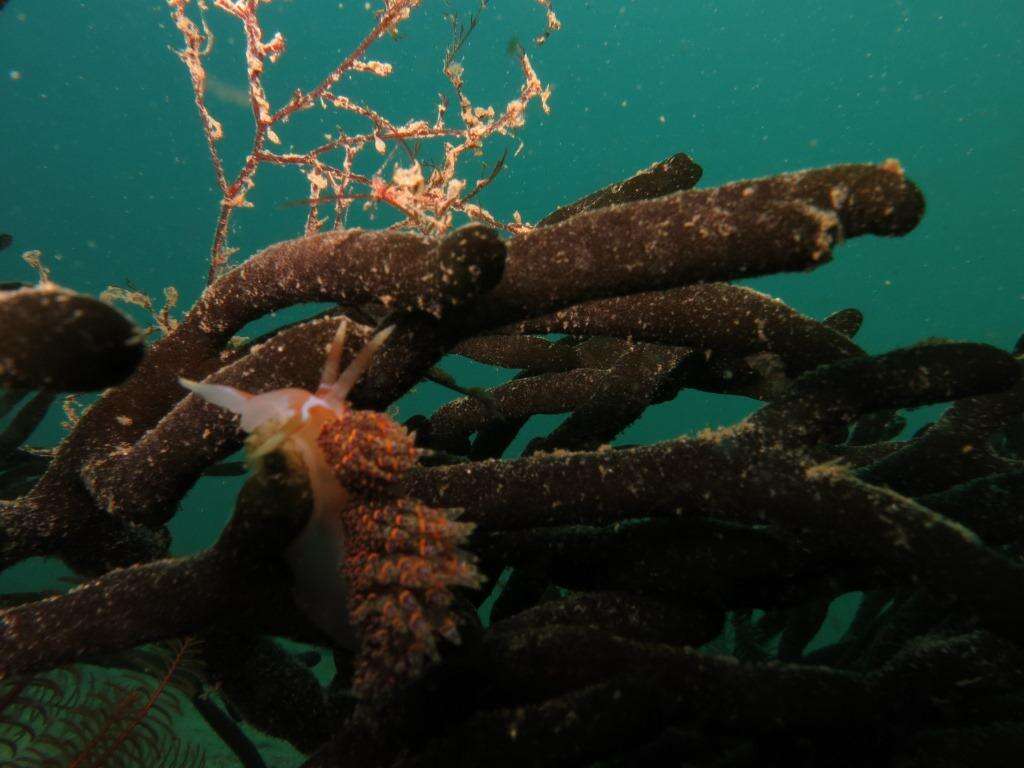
column 78, row 717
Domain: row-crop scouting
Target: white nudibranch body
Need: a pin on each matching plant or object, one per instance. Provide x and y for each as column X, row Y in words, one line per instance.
column 296, row 417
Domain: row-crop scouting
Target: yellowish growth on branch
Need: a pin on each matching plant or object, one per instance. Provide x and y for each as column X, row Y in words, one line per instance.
column 35, row 260
column 72, row 414
column 162, row 319
column 426, row 202
column 553, row 23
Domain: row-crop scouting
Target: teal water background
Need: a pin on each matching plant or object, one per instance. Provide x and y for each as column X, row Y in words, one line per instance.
column 105, row 169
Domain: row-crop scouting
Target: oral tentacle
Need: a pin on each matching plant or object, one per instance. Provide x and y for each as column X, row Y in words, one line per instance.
column 348, row 378
column 332, row 365
column 228, row 398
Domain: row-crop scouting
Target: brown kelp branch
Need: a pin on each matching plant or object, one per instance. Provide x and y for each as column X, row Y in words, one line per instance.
column 732, row 475
column 337, row 266
column 699, row 565
column 89, row 543
column 783, row 223
column 451, row 426
column 426, row 203
column 728, row 319
column 517, row 351
column 726, row 323
column 673, row 174
column 803, row 624
column 404, row 272
column 988, row 505
column 990, row 743
column 56, row 339
column 729, row 324
column 545, row 365
column 540, row 658
column 913, row 612
column 20, row 467
column 20, row 471
column 229, row 732
column 58, row 517
column 821, row 404
column 242, row 581
column 676, row 173
column 845, row 321
column 257, row 676
column 9, row 399
column 816, row 406
column 956, row 449
column 193, row 435
column 642, row 376
column 877, row 428
column 646, row 374
column 872, row 613
column 645, row 617
column 547, row 693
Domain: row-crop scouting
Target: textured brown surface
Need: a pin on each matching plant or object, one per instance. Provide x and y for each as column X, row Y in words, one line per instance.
column 56, row 339
column 623, row 559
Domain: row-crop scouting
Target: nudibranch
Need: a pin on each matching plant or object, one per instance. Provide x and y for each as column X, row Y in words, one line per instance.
column 372, row 569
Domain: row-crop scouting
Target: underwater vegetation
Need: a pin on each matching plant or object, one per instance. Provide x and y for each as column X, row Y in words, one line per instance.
column 73, row 717
column 654, row 604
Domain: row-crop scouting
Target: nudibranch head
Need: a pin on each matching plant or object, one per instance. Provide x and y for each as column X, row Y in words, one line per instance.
column 273, row 419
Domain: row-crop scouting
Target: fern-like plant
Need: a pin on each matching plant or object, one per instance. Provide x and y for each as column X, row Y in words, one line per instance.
column 74, row 718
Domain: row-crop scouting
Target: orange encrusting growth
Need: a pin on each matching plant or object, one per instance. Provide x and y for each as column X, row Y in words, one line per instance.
column 402, row 557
